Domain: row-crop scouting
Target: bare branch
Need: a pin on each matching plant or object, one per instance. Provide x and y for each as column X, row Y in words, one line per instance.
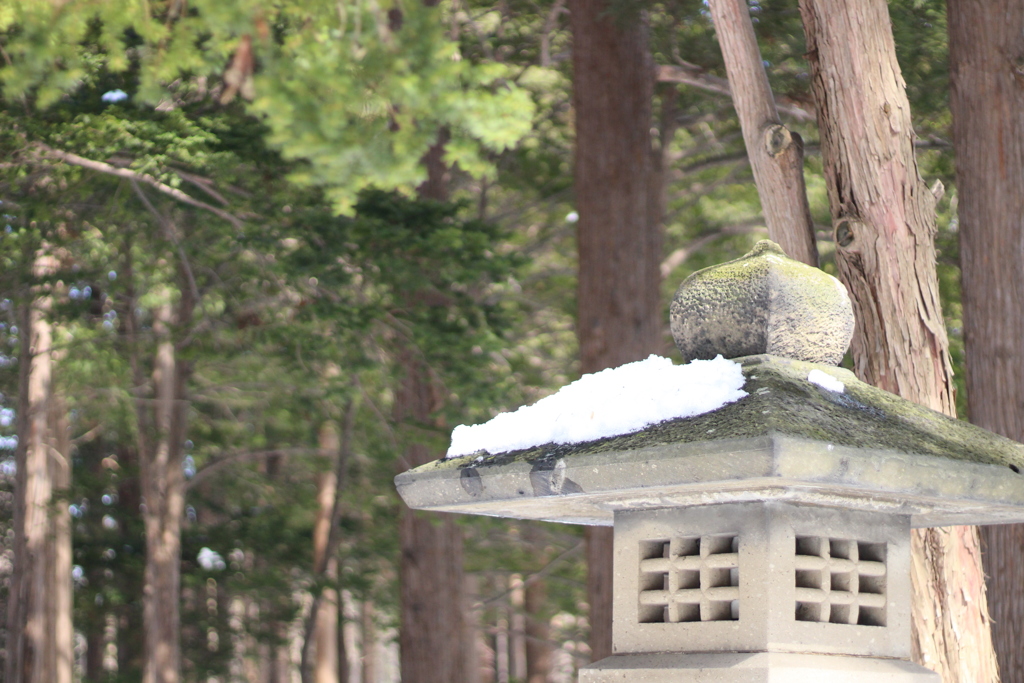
column 696, row 77
column 550, row 23
column 679, row 256
column 89, row 435
column 204, row 184
column 128, row 174
column 169, row 233
column 242, row 456
column 536, row 576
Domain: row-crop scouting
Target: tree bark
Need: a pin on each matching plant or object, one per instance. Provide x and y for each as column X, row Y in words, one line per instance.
column 59, row 559
column 1002, row 550
column 368, row 626
column 326, row 540
column 776, row 154
column 516, row 628
column 479, row 668
column 619, row 316
column 163, row 490
column 538, row 632
column 39, row 630
column 325, row 667
column 539, row 649
column 432, row 632
column 884, row 222
column 986, row 52
column 94, row 644
column 161, row 435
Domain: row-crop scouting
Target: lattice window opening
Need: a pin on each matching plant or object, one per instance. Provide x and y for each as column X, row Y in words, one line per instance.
column 689, row 579
column 840, row 581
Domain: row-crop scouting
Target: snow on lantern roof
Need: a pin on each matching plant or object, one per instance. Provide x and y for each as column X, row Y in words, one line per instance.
column 611, row 402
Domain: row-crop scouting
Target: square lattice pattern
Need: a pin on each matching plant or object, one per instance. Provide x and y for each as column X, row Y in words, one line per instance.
column 840, row 581
column 689, row 579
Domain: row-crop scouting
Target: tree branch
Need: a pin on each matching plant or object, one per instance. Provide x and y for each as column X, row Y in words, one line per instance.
column 537, row 575
column 128, row 174
column 169, row 233
column 680, row 255
column 696, row 77
column 204, row 184
column 240, row 456
column 550, row 23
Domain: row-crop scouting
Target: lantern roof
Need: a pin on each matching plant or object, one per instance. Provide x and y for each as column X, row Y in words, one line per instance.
column 806, row 431
column 790, row 438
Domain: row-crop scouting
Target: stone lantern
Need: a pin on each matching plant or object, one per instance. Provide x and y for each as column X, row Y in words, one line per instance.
column 767, row 540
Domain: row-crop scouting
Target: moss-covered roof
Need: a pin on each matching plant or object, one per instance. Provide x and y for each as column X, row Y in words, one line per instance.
column 782, row 401
column 860, row 448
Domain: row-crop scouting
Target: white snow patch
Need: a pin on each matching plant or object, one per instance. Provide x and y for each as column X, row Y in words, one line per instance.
column 621, row 400
column 825, row 381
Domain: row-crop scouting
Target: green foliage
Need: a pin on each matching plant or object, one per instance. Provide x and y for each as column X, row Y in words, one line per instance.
column 358, row 94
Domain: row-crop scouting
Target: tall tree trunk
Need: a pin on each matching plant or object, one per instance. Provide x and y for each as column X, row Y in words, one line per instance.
column 619, row 311
column 39, row 631
column 130, row 633
column 501, row 639
column 432, row 633
column 344, row 670
column 95, row 641
column 884, row 222
column 60, row 601
column 776, row 154
column 162, row 434
column 368, row 626
column 326, row 626
column 539, row 650
column 319, row 630
column 516, row 628
column 986, row 52
column 471, row 622
column 481, row 657
column 538, row 632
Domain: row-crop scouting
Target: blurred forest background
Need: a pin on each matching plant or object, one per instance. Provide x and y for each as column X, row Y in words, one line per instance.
column 281, row 249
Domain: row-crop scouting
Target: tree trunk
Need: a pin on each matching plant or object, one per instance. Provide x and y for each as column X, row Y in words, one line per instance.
column 481, row 665
column 884, row 222
column 776, row 154
column 501, row 664
column 59, row 560
column 368, row 626
column 471, row 622
column 432, row 634
column 1002, row 550
column 163, row 493
column 619, row 308
column 95, row 642
column 538, row 646
column 39, row 630
column 130, row 625
column 325, row 667
column 986, row 52
column 516, row 628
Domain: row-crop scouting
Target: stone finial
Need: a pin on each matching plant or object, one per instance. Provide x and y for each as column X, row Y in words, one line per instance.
column 763, row 302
